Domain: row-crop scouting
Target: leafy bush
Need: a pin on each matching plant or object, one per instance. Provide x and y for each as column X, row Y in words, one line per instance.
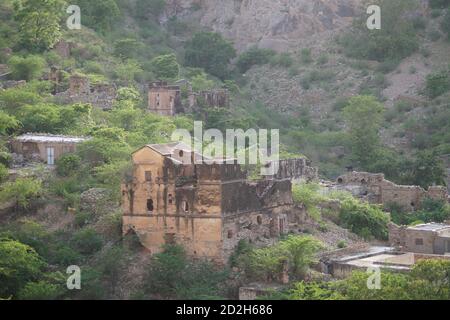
column 210, row 51
column 40, row 290
column 4, row 173
column 254, row 56
column 68, row 164
column 26, row 68
column 437, row 83
column 87, row 241
column 39, row 23
column 430, row 210
column 100, row 15
column 283, row 60
column 364, row 219
column 143, row 8
column 21, row 192
column 396, row 39
column 40, row 118
column 308, row 195
column 127, row 48
column 187, row 279
column 19, row 264
column 439, row 4
column 7, row 123
column 305, row 56
column 445, row 25
column 165, row 66
column 266, row 264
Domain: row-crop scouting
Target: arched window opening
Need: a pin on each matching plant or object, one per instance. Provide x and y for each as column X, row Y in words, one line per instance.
column 150, row 205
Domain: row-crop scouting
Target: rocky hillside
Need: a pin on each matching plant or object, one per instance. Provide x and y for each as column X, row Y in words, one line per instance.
column 274, row 24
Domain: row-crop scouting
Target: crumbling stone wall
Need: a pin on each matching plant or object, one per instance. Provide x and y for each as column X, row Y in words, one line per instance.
column 63, row 48
column 397, row 235
column 296, row 170
column 164, row 99
column 210, row 98
column 82, row 91
column 376, row 189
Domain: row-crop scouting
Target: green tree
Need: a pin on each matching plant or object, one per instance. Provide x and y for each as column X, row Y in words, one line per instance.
column 254, row 56
column 21, row 192
column 364, row 219
column 68, row 164
column 40, row 290
column 437, row 83
column 7, row 123
column 40, row 118
column 39, row 22
column 396, row 39
column 87, row 241
column 26, row 68
column 19, row 264
column 3, row 173
column 127, row 48
column 14, row 98
column 314, row 291
column 445, row 25
column 129, row 94
column 364, row 115
column 428, row 169
column 210, row 51
column 188, row 279
column 144, row 8
column 302, row 251
column 165, row 66
column 100, row 15
column 394, row 286
column 128, row 71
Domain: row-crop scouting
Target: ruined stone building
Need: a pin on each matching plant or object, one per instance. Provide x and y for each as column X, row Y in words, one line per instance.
column 376, row 189
column 44, row 147
column 207, row 208
column 430, row 238
column 82, row 91
column 219, row 98
column 164, row 99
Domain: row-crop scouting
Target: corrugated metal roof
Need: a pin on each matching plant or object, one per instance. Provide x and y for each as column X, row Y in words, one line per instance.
column 30, row 137
column 430, row 227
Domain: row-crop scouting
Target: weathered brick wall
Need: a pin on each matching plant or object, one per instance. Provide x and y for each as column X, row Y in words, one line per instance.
column 375, row 188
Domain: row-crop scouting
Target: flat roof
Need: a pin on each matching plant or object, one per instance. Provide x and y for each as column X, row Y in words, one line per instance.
column 430, row 227
column 29, row 137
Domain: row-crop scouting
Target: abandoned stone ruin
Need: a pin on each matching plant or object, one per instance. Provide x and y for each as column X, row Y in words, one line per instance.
column 210, row 98
column 376, row 189
column 206, row 208
column 82, row 91
column 166, row 100
column 44, row 148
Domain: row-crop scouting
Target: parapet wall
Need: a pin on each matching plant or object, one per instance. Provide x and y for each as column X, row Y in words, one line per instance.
column 376, row 189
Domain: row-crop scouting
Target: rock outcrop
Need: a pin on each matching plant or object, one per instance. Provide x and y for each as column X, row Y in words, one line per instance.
column 274, row 24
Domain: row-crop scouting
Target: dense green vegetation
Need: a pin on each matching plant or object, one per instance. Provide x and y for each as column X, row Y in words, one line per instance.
column 396, row 39
column 427, row 281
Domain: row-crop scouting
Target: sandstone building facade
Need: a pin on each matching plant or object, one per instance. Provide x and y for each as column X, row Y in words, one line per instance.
column 207, row 208
column 164, row 99
column 430, row 238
